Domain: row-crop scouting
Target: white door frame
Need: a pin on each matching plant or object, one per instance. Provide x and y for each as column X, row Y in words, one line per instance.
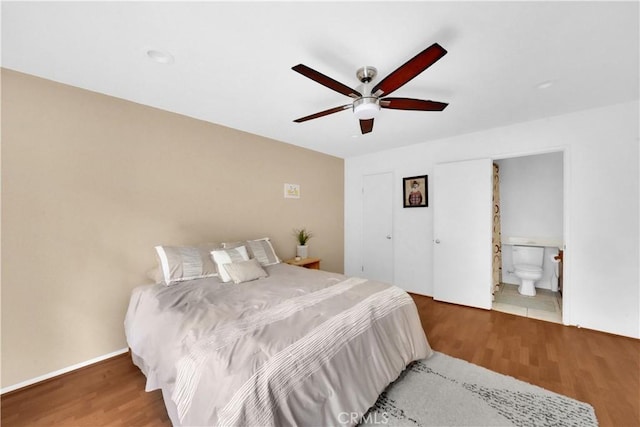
column 567, row 285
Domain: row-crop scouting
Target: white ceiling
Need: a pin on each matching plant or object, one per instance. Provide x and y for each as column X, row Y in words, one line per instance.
column 233, row 61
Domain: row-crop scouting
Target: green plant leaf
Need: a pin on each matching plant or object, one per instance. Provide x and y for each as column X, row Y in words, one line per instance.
column 302, row 235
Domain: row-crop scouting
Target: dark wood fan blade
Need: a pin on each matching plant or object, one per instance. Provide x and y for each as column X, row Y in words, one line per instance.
column 412, row 104
column 366, row 126
column 326, row 81
column 409, row 70
column 322, row 113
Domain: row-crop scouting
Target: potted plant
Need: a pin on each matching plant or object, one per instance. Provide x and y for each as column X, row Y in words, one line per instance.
column 302, row 236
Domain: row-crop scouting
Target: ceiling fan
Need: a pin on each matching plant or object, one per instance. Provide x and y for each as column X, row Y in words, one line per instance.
column 367, row 99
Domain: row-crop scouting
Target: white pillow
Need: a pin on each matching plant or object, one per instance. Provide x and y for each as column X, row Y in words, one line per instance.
column 228, row 256
column 260, row 249
column 263, row 251
column 186, row 263
column 245, row 271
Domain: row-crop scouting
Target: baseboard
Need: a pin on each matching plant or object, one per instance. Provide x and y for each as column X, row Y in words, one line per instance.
column 62, row 371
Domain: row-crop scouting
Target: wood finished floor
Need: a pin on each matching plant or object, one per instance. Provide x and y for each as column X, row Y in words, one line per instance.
column 594, row 367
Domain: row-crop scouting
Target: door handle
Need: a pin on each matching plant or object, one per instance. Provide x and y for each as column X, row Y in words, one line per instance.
column 388, row 236
column 437, row 241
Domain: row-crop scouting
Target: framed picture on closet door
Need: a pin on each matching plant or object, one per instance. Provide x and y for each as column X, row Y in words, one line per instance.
column 415, row 193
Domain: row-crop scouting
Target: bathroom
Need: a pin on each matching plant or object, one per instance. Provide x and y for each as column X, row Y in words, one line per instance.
column 529, row 191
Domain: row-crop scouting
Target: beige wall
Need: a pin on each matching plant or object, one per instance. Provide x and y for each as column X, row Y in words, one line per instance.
column 91, row 183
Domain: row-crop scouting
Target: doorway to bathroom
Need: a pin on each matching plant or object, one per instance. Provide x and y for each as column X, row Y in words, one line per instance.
column 529, row 216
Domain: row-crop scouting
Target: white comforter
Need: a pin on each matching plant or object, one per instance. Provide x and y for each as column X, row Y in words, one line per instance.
column 301, row 347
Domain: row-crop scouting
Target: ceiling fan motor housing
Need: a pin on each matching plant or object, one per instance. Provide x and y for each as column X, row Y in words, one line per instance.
column 367, row 73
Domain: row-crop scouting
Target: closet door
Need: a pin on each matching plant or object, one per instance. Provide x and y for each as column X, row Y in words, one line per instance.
column 377, row 225
column 462, row 232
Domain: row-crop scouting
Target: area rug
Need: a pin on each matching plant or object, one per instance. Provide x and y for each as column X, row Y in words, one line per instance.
column 524, row 301
column 445, row 391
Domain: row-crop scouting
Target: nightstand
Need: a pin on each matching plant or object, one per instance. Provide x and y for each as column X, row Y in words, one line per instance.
column 312, row 263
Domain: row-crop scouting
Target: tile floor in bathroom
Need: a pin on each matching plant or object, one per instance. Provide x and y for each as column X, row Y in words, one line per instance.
column 508, row 300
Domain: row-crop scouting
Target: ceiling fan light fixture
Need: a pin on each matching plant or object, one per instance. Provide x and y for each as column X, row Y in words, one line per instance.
column 366, row 108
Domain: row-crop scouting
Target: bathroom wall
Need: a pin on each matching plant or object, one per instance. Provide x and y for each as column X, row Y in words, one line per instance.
column 531, row 206
column 531, row 193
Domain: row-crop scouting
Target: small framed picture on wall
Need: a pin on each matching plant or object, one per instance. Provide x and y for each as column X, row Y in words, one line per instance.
column 414, row 189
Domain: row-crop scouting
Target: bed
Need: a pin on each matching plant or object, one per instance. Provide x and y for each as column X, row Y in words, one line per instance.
column 297, row 347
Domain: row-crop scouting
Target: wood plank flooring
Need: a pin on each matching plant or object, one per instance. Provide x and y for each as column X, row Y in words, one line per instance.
column 594, row 367
column 109, row 393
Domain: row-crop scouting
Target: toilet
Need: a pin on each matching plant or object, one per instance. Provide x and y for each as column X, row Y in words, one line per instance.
column 527, row 266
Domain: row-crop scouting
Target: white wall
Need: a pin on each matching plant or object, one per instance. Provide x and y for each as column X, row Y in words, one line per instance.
column 602, row 289
column 531, row 195
column 531, row 202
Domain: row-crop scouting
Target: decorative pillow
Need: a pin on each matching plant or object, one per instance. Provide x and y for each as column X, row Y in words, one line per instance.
column 245, row 271
column 228, row 256
column 260, row 249
column 186, row 263
column 263, row 251
column 157, row 277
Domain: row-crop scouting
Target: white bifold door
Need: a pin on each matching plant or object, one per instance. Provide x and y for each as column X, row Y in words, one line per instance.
column 377, row 225
column 463, row 210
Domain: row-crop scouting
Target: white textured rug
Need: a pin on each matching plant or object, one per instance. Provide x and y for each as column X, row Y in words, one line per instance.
column 445, row 391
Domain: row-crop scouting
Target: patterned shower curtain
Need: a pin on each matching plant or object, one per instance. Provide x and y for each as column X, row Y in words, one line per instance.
column 497, row 244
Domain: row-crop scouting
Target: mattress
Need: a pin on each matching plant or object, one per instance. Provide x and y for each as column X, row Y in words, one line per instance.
column 300, row 347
